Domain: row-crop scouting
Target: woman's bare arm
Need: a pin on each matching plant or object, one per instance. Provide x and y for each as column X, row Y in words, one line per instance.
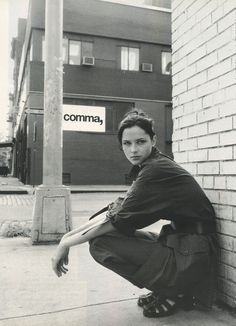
column 61, row 256
column 85, row 226
column 81, row 236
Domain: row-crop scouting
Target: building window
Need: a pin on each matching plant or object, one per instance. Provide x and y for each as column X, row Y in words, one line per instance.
column 74, row 52
column 166, row 63
column 78, row 50
column 64, row 50
column 129, row 58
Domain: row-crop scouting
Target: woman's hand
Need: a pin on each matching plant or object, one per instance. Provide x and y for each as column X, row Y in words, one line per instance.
column 75, row 238
column 60, row 259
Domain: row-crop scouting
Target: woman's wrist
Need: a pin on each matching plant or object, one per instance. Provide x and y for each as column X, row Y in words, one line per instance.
column 66, row 235
column 63, row 244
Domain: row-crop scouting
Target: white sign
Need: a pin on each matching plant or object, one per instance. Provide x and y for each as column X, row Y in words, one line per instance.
column 84, row 118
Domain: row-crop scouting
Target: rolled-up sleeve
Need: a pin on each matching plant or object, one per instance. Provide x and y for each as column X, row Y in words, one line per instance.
column 143, row 205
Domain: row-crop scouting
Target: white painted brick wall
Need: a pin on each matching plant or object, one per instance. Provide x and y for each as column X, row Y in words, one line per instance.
column 228, row 138
column 185, row 73
column 220, row 183
column 197, row 155
column 227, row 79
column 208, row 61
column 198, row 130
column 197, row 54
column 229, row 6
column 208, row 141
column 226, row 22
column 208, row 182
column 230, row 91
column 208, row 87
column 225, row 212
column 208, row 114
column 221, row 125
column 210, row 168
column 192, row 106
column 216, row 70
column 219, row 153
column 204, row 114
column 228, row 197
column 217, row 14
column 227, row 51
column 228, row 108
column 218, row 41
column 197, row 79
column 180, row 134
column 228, row 168
column 231, row 183
column 188, row 96
column 188, row 144
column 188, row 120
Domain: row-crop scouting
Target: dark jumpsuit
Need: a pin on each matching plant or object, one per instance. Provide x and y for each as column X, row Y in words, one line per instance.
column 182, row 258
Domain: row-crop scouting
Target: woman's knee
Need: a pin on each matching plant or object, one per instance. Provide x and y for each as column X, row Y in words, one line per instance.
column 106, row 246
column 97, row 245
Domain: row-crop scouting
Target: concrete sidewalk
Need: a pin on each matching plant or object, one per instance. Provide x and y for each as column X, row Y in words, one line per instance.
column 11, row 185
column 89, row 295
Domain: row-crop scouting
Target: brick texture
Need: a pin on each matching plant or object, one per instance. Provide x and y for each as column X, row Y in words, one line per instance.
column 204, row 114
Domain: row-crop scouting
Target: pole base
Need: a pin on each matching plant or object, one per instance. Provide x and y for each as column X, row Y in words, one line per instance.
column 51, row 214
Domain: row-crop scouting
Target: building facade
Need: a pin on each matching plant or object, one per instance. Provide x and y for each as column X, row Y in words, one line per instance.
column 204, row 114
column 115, row 57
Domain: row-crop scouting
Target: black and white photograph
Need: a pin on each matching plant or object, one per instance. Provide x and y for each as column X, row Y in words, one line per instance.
column 118, row 162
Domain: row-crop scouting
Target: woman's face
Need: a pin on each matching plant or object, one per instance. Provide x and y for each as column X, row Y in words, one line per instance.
column 137, row 144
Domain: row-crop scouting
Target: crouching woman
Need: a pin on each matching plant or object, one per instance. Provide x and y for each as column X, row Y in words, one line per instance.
column 178, row 265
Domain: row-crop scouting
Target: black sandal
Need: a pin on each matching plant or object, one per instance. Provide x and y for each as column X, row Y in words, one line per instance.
column 145, row 299
column 160, row 307
column 186, row 302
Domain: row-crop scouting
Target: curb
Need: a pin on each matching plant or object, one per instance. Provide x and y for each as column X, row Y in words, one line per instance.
column 12, row 192
column 72, row 191
column 95, row 191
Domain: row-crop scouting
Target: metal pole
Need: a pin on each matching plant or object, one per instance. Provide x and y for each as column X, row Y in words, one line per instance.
column 52, row 208
column 53, row 92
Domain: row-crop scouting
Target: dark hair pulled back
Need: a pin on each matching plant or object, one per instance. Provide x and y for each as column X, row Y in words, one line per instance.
column 136, row 117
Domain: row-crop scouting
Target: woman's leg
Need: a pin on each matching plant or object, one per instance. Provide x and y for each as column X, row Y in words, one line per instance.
column 126, row 256
column 122, row 254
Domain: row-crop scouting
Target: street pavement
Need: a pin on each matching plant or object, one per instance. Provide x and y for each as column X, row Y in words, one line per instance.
column 89, row 294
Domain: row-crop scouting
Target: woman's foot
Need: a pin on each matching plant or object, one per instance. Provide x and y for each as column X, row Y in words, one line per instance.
column 160, row 307
column 145, row 299
column 186, row 302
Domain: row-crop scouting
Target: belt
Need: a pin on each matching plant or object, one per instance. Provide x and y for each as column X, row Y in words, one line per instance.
column 193, row 227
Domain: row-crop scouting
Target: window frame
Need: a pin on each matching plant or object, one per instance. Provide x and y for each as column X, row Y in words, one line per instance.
column 163, row 70
column 128, row 47
column 69, row 51
column 81, row 42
